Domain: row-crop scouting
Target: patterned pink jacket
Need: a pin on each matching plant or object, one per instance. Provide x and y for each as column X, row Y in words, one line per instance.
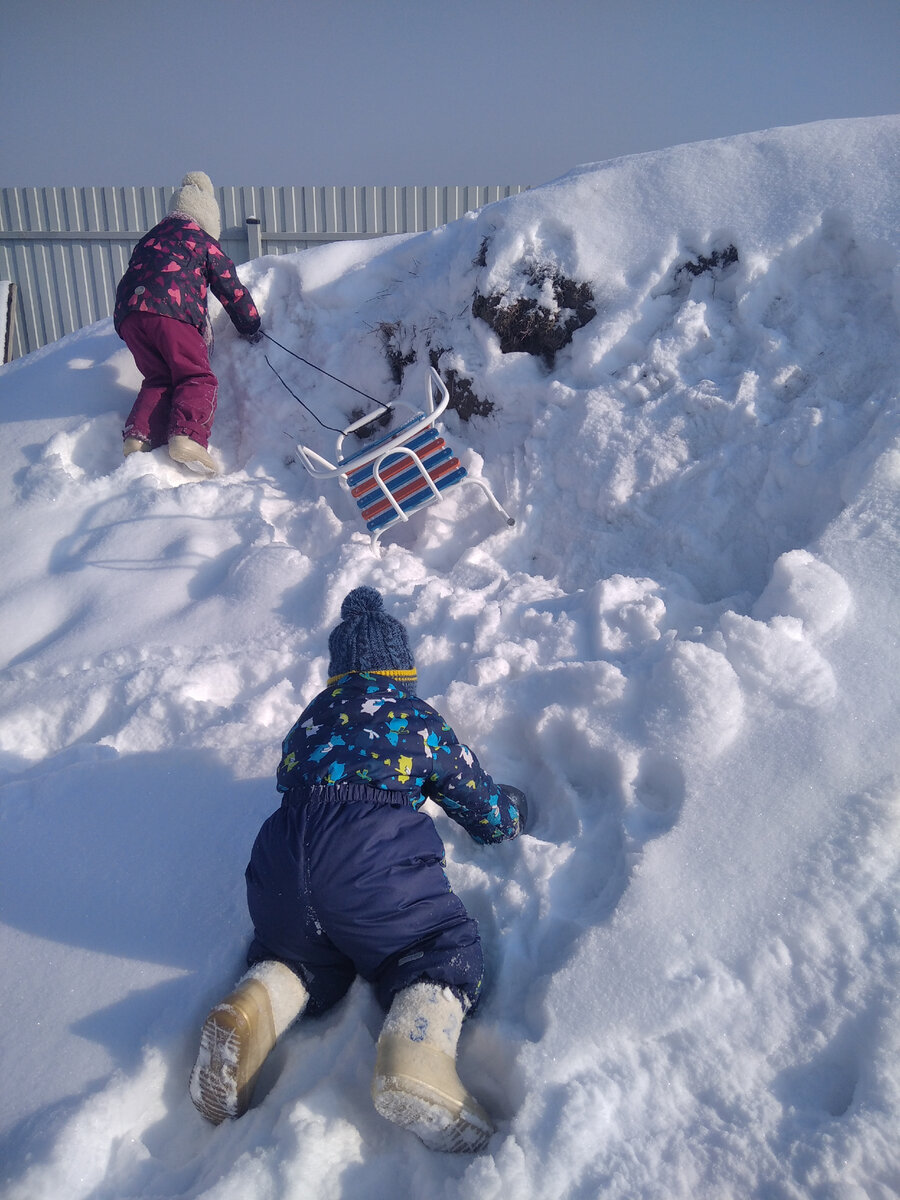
column 171, row 271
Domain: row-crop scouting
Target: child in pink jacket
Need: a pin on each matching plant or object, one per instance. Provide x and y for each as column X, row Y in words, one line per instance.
column 161, row 315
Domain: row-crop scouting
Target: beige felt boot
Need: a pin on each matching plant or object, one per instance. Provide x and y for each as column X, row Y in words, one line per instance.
column 238, row 1035
column 134, row 445
column 415, row 1083
column 185, row 450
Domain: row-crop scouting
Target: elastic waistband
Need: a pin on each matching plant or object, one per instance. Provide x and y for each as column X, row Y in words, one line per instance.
column 343, row 793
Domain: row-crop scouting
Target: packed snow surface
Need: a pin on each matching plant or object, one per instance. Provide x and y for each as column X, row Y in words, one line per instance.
column 685, row 651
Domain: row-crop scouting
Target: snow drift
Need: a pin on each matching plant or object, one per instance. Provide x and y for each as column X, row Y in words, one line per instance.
column 685, row 651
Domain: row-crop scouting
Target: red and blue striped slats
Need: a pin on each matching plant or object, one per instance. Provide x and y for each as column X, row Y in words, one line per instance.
column 418, row 495
column 402, row 476
column 362, row 479
column 414, row 494
column 346, row 464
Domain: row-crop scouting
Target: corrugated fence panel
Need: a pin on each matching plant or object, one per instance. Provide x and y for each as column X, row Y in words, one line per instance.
column 67, row 248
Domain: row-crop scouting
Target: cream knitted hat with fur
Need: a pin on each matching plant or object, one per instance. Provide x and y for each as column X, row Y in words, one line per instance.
column 196, row 199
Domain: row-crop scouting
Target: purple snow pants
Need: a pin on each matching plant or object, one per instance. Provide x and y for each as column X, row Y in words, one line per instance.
column 178, row 395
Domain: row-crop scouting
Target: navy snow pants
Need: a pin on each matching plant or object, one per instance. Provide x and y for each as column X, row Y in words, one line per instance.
column 349, row 880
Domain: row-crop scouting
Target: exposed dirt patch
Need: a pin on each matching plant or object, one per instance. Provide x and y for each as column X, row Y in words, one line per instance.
column 542, row 317
column 715, row 263
column 392, row 334
column 463, row 400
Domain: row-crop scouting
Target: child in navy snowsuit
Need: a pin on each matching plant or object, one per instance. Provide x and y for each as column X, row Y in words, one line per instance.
column 161, row 315
column 347, row 877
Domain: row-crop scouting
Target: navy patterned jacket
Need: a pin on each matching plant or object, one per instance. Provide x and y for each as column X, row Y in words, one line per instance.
column 171, row 271
column 368, row 729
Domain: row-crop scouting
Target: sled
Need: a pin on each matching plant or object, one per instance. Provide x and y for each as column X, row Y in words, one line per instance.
column 402, row 472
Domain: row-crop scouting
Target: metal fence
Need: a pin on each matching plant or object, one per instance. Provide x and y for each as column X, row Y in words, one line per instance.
column 65, row 249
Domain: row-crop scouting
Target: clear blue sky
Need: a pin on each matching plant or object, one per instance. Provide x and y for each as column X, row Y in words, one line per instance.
column 350, row 92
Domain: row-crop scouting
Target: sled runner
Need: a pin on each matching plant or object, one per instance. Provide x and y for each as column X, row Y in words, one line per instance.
column 403, row 471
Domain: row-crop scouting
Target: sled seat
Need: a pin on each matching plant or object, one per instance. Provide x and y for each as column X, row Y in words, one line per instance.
column 401, row 472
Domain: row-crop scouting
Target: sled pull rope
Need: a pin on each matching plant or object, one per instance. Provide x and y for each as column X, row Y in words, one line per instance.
column 301, row 402
column 387, row 407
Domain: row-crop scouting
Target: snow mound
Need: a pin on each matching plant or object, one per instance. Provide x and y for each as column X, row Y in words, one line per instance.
column 684, row 651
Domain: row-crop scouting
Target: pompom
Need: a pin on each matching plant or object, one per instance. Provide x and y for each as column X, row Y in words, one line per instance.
column 361, row 600
column 198, row 179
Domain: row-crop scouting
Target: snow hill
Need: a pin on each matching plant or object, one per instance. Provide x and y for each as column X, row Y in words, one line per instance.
column 685, row 651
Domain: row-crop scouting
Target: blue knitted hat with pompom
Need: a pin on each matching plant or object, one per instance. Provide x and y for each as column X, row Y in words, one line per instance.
column 368, row 638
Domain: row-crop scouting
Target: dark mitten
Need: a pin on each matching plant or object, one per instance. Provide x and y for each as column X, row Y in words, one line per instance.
column 254, row 338
column 518, row 799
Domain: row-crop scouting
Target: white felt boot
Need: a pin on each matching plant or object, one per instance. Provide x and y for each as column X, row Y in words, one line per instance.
column 191, row 454
column 415, row 1083
column 238, row 1035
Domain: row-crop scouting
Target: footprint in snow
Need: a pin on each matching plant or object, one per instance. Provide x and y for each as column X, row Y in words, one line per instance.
column 658, row 792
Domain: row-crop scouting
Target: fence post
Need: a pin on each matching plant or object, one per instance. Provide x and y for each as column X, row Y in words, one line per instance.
column 254, row 238
column 8, row 307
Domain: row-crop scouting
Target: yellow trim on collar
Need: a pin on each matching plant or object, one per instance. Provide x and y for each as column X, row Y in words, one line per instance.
column 407, row 676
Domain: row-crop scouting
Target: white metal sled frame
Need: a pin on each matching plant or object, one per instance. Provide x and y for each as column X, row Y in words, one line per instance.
column 402, row 472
